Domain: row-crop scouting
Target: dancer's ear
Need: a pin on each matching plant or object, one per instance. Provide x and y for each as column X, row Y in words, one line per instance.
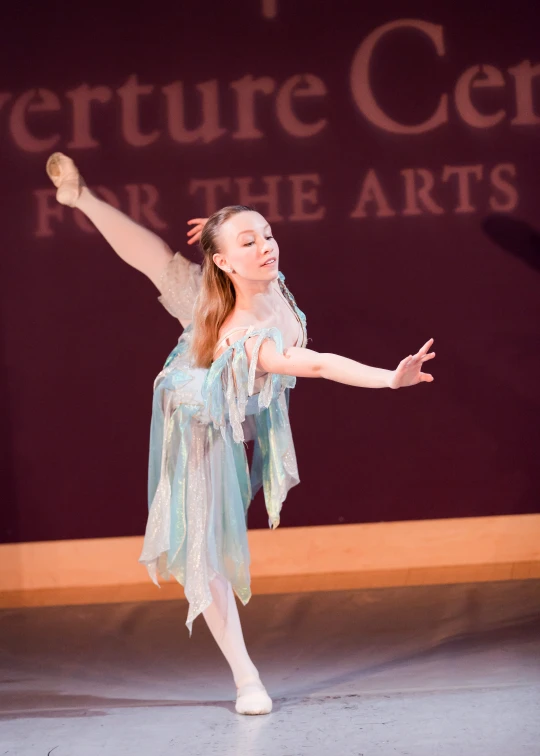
column 222, row 263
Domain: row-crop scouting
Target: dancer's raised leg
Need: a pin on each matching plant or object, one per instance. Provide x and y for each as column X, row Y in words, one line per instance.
column 223, row 621
column 135, row 244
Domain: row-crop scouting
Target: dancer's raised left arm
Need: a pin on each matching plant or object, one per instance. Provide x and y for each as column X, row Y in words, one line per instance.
column 306, row 363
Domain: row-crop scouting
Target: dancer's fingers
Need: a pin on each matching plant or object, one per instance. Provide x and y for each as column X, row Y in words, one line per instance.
column 426, row 346
column 422, row 351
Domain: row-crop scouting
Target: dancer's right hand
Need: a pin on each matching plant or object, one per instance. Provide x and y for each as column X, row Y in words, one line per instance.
column 196, row 231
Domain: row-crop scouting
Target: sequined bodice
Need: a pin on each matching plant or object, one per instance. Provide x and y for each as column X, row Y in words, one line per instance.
column 245, row 330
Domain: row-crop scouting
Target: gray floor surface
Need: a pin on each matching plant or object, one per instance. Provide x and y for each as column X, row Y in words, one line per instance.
column 424, row 671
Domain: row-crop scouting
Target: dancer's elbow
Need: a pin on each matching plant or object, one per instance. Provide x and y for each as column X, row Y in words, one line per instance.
column 297, row 361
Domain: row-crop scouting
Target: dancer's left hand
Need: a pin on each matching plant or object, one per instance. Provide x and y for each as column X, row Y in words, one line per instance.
column 196, row 231
column 408, row 372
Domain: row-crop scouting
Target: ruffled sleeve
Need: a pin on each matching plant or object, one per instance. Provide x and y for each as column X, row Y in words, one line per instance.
column 230, row 382
column 179, row 285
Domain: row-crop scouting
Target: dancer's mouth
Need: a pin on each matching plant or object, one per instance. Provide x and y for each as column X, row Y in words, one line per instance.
column 269, row 262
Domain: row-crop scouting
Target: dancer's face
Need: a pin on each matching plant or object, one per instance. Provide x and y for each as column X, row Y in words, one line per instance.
column 246, row 243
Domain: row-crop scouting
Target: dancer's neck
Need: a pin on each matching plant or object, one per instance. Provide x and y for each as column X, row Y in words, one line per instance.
column 255, row 297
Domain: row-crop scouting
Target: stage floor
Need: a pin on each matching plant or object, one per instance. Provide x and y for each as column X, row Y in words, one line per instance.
column 439, row 670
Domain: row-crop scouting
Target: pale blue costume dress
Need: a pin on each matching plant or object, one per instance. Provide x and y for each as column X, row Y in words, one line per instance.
column 199, row 481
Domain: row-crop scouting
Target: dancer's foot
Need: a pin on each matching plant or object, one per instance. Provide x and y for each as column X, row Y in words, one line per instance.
column 252, row 698
column 66, row 177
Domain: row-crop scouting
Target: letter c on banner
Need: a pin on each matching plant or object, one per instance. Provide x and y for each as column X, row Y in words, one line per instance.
column 361, row 89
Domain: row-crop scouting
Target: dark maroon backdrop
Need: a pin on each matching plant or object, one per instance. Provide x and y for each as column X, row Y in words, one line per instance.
column 83, row 336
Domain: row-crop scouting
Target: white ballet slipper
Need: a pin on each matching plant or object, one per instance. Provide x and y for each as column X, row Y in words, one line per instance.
column 66, row 177
column 252, row 698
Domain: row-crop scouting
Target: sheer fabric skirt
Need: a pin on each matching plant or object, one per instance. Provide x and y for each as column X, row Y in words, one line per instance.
column 199, row 491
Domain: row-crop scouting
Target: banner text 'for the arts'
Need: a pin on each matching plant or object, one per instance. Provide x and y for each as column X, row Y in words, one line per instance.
column 297, row 197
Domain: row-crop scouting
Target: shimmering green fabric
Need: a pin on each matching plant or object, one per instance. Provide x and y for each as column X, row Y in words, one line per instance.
column 199, row 482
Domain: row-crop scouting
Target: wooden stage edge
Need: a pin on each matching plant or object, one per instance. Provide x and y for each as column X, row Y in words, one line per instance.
column 286, row 560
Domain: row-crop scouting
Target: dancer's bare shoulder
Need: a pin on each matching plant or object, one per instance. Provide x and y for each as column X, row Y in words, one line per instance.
column 234, row 327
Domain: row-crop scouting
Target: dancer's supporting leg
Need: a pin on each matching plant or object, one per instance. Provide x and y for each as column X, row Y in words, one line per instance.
column 252, row 697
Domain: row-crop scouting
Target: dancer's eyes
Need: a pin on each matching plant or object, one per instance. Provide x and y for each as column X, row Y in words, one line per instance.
column 252, row 242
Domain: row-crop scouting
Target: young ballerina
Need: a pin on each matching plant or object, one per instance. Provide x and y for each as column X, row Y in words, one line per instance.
column 226, row 381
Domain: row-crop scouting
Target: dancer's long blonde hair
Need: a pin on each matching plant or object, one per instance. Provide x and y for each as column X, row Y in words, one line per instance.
column 217, row 296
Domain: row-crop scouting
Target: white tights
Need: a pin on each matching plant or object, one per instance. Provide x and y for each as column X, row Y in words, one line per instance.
column 223, row 621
